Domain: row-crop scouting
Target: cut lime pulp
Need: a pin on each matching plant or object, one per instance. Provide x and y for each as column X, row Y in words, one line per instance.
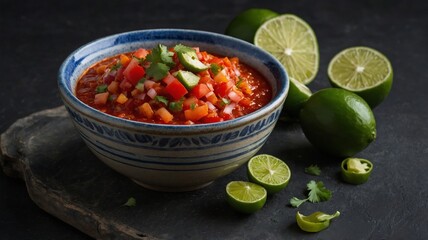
column 364, row 71
column 293, row 42
column 268, row 171
column 246, row 197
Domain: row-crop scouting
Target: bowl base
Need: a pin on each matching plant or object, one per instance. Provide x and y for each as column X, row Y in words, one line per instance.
column 171, row 189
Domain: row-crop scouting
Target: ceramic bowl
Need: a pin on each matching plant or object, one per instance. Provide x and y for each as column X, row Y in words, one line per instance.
column 172, row 157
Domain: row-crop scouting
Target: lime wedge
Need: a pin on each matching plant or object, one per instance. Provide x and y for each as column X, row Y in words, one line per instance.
column 293, row 42
column 245, row 197
column 364, row 71
column 269, row 172
column 315, row 222
column 298, row 94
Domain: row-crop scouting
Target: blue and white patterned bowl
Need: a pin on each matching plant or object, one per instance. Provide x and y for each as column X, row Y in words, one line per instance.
column 171, row 157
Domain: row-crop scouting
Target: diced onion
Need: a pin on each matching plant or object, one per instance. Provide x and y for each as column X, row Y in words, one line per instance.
column 152, row 93
column 229, row 108
column 211, row 106
column 210, row 86
column 148, row 84
column 234, row 96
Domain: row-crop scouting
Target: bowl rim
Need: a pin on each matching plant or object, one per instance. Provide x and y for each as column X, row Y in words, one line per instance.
column 278, row 99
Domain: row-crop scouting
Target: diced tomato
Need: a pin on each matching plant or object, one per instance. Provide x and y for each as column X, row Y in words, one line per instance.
column 121, row 98
column 124, row 60
column 211, row 97
column 113, row 87
column 213, row 119
column 196, row 113
column 200, row 90
column 141, row 53
column 168, row 79
column 205, row 79
column 190, row 102
column 125, row 86
column 101, row 98
column 221, row 77
column 176, row 89
column 146, row 110
column 134, row 72
column 227, row 62
column 223, row 88
column 164, row 114
column 245, row 102
column 119, row 74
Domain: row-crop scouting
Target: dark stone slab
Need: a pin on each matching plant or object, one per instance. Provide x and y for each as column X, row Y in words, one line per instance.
column 66, row 180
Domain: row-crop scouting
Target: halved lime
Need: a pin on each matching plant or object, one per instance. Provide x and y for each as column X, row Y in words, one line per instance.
column 246, row 197
column 246, row 23
column 298, row 94
column 315, row 222
column 293, row 42
column 364, row 71
column 269, row 172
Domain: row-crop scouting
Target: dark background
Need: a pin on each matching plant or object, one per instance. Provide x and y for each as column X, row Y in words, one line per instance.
column 36, row 36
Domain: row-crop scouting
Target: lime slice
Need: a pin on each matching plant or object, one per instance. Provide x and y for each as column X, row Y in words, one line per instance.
column 191, row 62
column 364, row 71
column 246, row 23
column 188, row 79
column 298, row 94
column 315, row 222
column 269, row 172
column 246, row 197
column 293, row 42
column 356, row 170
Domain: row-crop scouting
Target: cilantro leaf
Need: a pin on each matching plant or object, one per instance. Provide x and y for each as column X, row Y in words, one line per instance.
column 295, row 202
column 318, row 192
column 162, row 99
column 157, row 71
column 132, row 202
column 313, row 170
column 101, row 88
column 215, row 68
column 180, row 48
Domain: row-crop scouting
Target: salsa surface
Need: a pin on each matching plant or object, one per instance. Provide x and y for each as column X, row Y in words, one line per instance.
column 179, row 85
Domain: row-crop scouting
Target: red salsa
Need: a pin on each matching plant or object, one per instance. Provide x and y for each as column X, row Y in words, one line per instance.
column 179, row 85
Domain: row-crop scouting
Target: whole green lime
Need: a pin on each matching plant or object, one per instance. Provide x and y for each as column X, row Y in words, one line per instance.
column 338, row 122
column 246, row 23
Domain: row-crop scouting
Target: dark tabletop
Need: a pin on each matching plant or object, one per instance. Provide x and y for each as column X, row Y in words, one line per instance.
column 36, row 36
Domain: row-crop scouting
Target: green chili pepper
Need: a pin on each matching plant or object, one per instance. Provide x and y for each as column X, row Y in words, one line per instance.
column 356, row 170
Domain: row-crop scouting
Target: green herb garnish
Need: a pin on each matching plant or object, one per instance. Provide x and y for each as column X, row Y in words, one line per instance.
column 132, row 202
column 157, row 71
column 317, row 193
column 313, row 170
column 161, row 99
column 101, row 88
column 160, row 62
column 176, row 106
column 116, row 66
column 180, row 48
column 215, row 68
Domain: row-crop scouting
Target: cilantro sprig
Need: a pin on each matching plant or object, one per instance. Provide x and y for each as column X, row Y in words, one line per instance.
column 161, row 61
column 317, row 193
column 313, row 170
